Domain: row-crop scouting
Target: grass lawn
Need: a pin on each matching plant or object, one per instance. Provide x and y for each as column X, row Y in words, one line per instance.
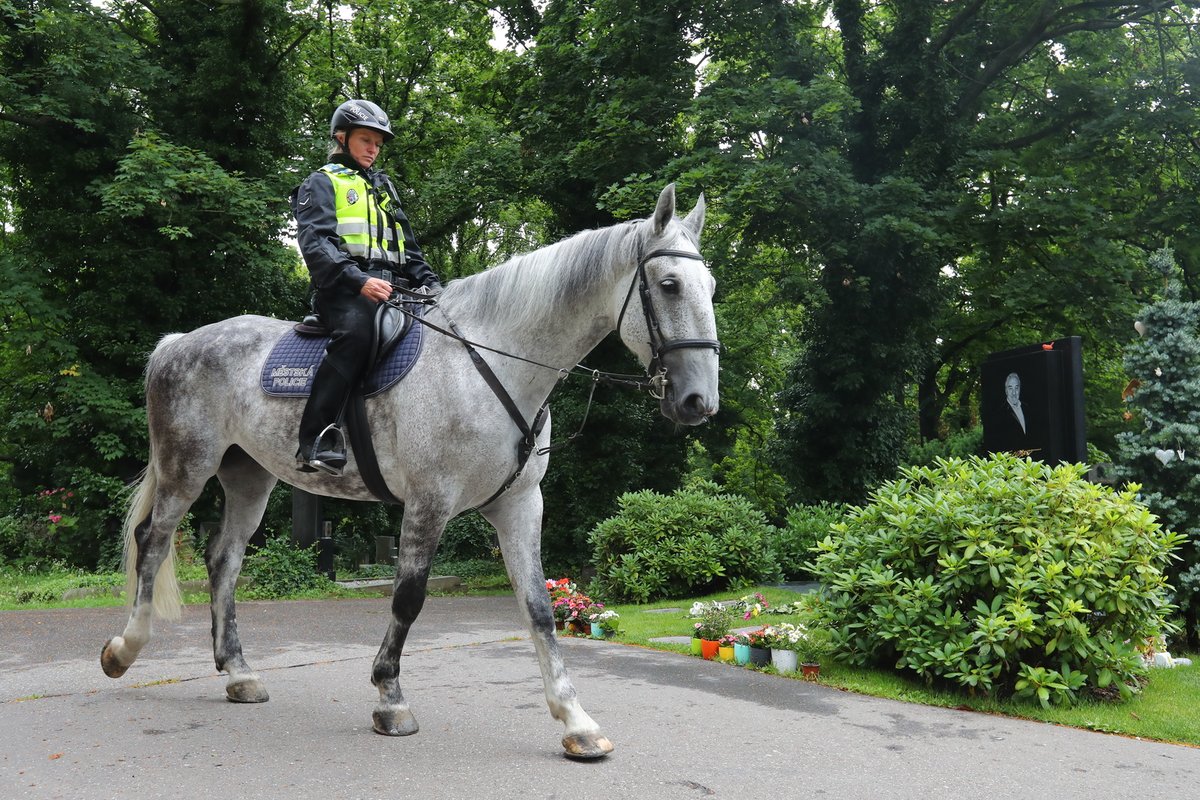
column 1165, row 710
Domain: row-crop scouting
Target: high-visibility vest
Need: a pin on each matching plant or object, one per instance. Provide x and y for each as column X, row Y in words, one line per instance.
column 366, row 230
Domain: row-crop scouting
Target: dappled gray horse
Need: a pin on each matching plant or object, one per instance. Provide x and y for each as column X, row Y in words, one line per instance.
column 444, row 441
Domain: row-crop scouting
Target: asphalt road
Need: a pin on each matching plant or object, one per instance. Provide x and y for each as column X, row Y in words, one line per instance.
column 683, row 728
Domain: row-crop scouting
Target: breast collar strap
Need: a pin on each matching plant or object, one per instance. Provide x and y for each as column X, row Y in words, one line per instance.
column 655, row 371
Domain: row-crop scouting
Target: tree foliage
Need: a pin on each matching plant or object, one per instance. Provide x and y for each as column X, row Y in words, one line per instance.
column 144, row 150
column 895, row 189
column 1164, row 426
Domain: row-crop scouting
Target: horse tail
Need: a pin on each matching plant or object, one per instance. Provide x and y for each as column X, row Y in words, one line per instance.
column 168, row 600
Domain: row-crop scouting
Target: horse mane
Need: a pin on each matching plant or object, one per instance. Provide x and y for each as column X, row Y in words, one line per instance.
column 521, row 290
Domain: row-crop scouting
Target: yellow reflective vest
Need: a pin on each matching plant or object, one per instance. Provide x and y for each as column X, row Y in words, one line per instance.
column 366, row 230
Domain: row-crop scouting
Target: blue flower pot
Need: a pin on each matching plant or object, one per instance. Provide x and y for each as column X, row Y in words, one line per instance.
column 741, row 654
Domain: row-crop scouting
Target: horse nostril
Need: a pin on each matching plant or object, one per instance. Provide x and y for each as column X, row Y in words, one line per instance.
column 696, row 406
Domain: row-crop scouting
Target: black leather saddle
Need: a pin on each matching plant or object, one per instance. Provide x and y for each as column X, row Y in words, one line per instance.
column 391, row 323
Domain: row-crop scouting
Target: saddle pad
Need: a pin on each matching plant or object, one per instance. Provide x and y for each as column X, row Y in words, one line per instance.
column 293, row 361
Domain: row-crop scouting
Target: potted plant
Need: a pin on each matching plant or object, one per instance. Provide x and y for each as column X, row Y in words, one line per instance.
column 760, row 647
column 714, row 623
column 785, row 638
column 577, row 621
column 725, row 647
column 605, row 624
column 741, row 649
column 588, row 617
column 561, row 590
column 813, row 646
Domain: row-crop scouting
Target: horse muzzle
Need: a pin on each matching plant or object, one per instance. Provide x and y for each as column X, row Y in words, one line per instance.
column 692, row 409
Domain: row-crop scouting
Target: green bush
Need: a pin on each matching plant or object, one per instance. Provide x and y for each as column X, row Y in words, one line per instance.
column 468, row 537
column 804, row 528
column 280, row 569
column 695, row 541
column 960, row 444
column 1000, row 575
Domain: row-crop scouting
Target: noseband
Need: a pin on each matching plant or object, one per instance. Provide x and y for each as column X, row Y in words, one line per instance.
column 655, row 371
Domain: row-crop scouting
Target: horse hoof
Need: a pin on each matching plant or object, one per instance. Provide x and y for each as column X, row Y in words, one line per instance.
column 586, row 746
column 108, row 662
column 247, row 690
column 394, row 722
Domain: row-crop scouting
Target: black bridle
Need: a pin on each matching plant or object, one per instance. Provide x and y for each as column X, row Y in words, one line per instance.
column 656, row 373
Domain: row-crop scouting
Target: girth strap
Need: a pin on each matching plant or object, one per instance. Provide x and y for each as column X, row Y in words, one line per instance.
column 364, row 449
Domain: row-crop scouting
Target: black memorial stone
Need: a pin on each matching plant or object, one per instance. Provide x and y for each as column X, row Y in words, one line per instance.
column 1032, row 401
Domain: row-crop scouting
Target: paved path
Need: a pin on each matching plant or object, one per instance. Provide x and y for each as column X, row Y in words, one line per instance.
column 683, row 728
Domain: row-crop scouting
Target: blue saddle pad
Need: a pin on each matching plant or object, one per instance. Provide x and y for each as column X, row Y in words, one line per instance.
column 293, row 361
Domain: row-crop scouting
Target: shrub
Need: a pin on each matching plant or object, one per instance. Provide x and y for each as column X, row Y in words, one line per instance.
column 468, row 537
column 280, row 569
column 960, row 444
column 692, row 542
column 1001, row 575
column 796, row 540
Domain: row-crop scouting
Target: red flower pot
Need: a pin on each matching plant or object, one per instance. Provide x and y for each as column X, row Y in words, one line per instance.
column 709, row 648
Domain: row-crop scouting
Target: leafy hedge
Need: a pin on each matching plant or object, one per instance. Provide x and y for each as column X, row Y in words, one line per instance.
column 805, row 527
column 1000, row 575
column 281, row 569
column 692, row 542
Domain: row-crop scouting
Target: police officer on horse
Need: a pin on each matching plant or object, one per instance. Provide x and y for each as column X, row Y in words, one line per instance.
column 358, row 246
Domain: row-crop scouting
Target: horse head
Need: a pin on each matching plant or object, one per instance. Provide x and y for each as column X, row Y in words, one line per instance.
column 675, row 335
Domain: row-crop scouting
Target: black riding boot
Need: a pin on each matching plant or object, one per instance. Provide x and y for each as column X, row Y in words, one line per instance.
column 322, row 446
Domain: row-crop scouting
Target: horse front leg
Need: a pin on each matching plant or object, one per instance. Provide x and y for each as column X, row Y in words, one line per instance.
column 419, row 536
column 518, row 520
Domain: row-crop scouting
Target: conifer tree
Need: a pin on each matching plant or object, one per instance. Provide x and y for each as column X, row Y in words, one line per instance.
column 1162, row 451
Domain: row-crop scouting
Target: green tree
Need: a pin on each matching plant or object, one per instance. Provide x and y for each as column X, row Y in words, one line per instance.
column 1164, row 408
column 596, row 106
column 1086, row 165
column 144, row 150
column 925, row 80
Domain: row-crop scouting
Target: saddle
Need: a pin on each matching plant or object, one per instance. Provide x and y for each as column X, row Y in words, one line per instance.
column 395, row 346
column 390, row 326
column 292, row 363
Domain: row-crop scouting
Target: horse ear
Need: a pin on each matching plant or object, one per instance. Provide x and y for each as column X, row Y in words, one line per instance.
column 695, row 220
column 665, row 211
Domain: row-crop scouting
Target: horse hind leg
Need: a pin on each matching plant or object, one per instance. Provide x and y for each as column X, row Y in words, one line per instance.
column 518, row 522
column 150, row 523
column 247, row 487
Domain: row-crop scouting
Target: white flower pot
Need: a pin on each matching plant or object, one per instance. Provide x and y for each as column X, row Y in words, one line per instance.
column 784, row 661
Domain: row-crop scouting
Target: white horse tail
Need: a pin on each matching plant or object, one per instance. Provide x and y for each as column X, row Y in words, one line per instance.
column 168, row 600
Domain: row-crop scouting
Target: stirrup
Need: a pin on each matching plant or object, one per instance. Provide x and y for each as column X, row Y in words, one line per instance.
column 328, row 457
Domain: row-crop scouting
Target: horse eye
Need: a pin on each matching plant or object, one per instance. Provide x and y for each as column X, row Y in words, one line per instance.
column 670, row 286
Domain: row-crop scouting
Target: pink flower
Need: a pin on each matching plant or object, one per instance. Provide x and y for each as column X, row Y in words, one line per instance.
column 55, row 518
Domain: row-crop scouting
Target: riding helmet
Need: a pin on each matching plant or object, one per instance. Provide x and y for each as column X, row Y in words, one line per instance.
column 361, row 114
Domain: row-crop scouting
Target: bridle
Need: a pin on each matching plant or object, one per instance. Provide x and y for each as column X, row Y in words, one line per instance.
column 656, row 373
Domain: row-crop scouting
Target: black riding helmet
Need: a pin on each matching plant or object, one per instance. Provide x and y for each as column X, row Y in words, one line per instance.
column 360, row 114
